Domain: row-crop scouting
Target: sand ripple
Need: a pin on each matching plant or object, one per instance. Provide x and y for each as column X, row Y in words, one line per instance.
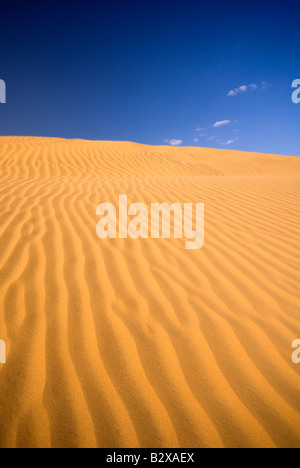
column 128, row 343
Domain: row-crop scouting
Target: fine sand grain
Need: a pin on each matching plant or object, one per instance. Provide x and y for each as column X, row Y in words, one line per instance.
column 141, row 343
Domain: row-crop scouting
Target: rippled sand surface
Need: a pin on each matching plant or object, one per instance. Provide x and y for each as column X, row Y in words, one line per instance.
column 141, row 343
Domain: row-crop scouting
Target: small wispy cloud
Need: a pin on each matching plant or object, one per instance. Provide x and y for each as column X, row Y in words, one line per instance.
column 196, row 140
column 240, row 89
column 229, row 142
column 212, row 138
column 174, row 142
column 245, row 88
column 221, row 123
column 200, row 132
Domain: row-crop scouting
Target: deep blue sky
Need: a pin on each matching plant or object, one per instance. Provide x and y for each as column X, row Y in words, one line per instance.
column 151, row 71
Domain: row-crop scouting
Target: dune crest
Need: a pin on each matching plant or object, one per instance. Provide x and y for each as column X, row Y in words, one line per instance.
column 141, row 343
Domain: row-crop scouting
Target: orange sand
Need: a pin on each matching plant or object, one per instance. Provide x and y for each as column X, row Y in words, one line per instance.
column 141, row 343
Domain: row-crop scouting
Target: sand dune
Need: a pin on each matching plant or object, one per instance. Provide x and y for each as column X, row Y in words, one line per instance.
column 141, row 343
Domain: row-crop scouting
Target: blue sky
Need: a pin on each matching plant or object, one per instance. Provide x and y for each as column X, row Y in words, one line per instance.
column 153, row 72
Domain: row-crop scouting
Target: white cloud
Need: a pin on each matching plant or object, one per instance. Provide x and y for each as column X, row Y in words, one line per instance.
column 242, row 89
column 229, row 142
column 200, row 132
column 236, row 91
column 221, row 123
column 174, row 142
column 212, row 138
column 196, row 140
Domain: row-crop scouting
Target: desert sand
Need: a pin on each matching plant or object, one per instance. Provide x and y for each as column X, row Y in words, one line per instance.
column 141, row 343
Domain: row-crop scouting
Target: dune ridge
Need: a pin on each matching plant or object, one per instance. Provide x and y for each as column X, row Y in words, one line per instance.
column 140, row 343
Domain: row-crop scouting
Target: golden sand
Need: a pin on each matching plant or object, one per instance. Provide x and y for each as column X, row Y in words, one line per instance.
column 141, row 343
